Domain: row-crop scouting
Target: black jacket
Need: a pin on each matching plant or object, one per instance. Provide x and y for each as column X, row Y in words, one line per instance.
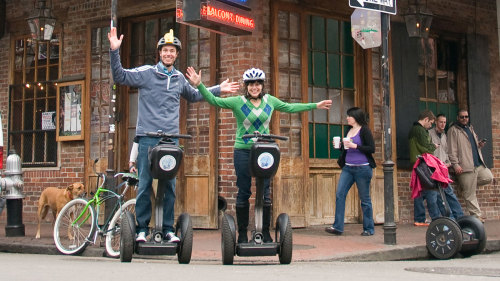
column 367, row 147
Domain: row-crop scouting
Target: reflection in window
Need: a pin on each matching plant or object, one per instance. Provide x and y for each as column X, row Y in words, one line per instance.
column 33, row 102
column 331, row 76
column 437, row 70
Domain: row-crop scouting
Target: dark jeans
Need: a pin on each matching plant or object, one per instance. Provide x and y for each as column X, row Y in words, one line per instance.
column 456, row 208
column 244, row 180
column 143, row 203
column 430, row 196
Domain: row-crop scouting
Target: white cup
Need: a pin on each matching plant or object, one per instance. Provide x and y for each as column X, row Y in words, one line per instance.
column 346, row 139
column 336, row 142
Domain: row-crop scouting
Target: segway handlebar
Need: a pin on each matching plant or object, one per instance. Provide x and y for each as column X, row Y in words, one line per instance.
column 161, row 134
column 264, row 136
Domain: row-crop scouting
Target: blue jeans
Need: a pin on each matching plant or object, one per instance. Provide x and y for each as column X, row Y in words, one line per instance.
column 244, row 179
column 143, row 203
column 456, row 208
column 430, row 196
column 362, row 175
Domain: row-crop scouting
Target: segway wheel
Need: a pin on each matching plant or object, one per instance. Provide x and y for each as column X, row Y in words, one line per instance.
column 443, row 238
column 127, row 238
column 227, row 241
column 185, row 229
column 472, row 227
column 284, row 229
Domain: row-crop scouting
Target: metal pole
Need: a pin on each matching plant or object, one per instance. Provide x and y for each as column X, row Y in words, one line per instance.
column 389, row 225
column 110, row 171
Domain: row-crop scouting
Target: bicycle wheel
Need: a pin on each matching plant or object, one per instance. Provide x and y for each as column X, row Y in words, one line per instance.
column 71, row 236
column 114, row 229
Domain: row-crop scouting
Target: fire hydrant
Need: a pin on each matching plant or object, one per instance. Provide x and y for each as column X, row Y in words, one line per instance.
column 12, row 185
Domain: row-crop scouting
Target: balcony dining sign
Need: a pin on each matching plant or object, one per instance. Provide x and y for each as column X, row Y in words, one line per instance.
column 231, row 17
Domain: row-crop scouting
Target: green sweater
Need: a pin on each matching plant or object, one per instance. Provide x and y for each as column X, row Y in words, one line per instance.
column 250, row 118
column 420, row 142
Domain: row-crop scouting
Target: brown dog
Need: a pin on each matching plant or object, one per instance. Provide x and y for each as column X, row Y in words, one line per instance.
column 55, row 199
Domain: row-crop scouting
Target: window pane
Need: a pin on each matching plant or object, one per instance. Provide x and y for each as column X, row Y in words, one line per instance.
column 347, row 38
column 336, row 109
column 319, row 61
column 318, row 33
column 294, row 26
column 348, row 71
column 335, row 131
column 334, row 71
column 333, row 35
column 321, row 137
column 283, row 25
column 320, row 94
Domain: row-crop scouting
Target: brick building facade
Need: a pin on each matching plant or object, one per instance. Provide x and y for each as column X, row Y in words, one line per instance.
column 283, row 45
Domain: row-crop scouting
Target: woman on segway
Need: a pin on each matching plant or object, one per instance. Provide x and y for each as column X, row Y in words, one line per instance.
column 253, row 111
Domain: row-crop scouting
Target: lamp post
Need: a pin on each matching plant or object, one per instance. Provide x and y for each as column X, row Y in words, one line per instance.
column 418, row 20
column 41, row 22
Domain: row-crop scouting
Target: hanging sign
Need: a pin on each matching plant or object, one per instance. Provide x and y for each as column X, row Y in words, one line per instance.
column 366, row 28
column 222, row 16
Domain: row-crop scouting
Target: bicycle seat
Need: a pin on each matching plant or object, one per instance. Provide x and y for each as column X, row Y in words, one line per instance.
column 131, row 178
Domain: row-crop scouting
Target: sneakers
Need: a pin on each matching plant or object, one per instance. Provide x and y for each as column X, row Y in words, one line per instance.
column 421, row 224
column 170, row 237
column 141, row 237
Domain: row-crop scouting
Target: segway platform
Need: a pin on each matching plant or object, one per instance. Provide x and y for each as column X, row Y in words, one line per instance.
column 155, row 248
column 253, row 249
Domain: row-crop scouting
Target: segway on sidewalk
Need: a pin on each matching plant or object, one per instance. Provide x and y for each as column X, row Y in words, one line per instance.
column 165, row 160
column 445, row 237
column 264, row 162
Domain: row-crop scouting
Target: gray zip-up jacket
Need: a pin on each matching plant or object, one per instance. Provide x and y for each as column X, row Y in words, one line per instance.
column 159, row 94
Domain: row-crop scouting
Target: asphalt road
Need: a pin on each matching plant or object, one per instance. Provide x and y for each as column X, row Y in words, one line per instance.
column 57, row 267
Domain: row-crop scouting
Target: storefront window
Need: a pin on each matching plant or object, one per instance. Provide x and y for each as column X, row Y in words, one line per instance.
column 32, row 131
column 331, row 76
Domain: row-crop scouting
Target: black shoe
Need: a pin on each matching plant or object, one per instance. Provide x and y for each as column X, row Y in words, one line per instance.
column 333, row 231
column 366, row 233
column 242, row 237
column 266, row 236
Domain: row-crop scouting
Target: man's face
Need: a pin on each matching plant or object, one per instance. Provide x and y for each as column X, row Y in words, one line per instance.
column 168, row 54
column 463, row 117
column 428, row 123
column 440, row 124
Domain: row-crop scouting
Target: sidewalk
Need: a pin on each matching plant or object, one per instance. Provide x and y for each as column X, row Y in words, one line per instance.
column 310, row 244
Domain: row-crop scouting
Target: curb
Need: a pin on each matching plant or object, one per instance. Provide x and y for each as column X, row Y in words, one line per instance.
column 397, row 254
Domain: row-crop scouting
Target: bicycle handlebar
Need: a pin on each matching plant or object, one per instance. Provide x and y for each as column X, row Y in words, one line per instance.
column 264, row 136
column 161, row 134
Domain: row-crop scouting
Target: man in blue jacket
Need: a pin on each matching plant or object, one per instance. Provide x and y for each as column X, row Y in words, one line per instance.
column 160, row 88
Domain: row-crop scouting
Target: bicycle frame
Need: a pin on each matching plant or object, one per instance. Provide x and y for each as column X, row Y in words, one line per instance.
column 97, row 201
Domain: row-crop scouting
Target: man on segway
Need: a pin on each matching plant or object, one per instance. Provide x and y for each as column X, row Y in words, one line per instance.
column 160, row 88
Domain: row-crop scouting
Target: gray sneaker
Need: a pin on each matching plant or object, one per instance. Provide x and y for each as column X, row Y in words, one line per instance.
column 141, row 237
column 170, row 237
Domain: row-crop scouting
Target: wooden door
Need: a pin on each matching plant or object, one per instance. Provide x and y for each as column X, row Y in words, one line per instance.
column 197, row 184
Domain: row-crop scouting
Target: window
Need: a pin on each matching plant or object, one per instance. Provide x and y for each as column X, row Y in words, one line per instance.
column 33, row 102
column 331, row 76
column 437, row 72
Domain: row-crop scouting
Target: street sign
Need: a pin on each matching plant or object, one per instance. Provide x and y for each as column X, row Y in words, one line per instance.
column 366, row 28
column 383, row 6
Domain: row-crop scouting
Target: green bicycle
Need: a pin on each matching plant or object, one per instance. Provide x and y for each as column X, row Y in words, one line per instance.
column 77, row 224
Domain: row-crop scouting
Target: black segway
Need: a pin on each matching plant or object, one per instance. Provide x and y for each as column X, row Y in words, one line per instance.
column 264, row 162
column 165, row 160
column 445, row 237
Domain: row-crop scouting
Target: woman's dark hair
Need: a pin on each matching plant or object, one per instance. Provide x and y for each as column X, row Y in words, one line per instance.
column 247, row 95
column 359, row 115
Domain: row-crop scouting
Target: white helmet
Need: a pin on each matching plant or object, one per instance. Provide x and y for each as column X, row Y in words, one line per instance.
column 254, row 74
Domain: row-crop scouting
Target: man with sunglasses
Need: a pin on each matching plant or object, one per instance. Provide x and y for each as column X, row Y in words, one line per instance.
column 464, row 152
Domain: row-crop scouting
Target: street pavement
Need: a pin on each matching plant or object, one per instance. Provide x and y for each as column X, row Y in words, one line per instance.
column 309, row 244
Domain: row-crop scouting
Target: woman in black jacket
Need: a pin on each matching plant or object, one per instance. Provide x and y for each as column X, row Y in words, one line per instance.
column 357, row 165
